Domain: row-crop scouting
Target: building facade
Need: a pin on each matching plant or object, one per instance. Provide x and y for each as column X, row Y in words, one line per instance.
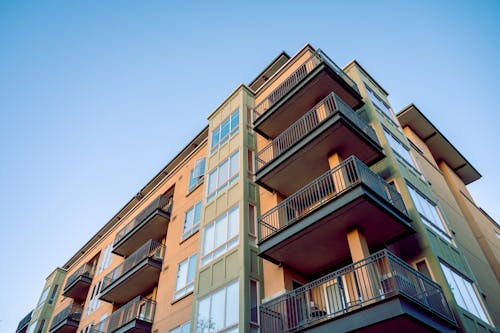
column 306, row 204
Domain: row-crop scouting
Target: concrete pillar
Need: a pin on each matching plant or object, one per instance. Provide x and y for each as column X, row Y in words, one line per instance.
column 360, row 283
column 357, row 244
column 338, row 177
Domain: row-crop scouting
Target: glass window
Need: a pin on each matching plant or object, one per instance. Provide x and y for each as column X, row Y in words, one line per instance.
column 428, row 211
column 192, row 220
column 32, row 327
column 105, row 258
column 184, row 328
column 464, row 293
column 219, row 311
column 379, row 103
column 401, row 151
column 53, row 295
column 221, row 235
column 94, row 301
column 185, row 277
column 254, row 302
column 40, row 328
column 43, row 297
column 225, row 130
column 196, row 175
column 223, row 175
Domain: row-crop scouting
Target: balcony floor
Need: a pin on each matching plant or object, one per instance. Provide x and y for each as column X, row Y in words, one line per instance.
column 395, row 314
column 138, row 280
column 79, row 289
column 311, row 90
column 135, row 326
column 66, row 326
column 324, row 230
column 153, row 227
column 307, row 159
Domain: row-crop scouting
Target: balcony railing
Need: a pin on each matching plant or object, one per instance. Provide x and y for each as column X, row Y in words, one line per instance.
column 325, row 109
column 139, row 308
column 296, row 76
column 362, row 283
column 349, row 174
column 85, row 270
column 71, row 312
column 24, row 322
column 150, row 249
column 163, row 202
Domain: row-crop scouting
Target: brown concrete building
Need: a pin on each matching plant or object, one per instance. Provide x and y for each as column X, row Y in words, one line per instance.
column 306, row 204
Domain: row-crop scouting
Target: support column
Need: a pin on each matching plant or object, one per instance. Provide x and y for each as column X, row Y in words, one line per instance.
column 338, row 177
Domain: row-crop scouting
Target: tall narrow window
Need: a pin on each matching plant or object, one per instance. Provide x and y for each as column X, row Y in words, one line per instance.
column 185, row 277
column 221, row 235
column 223, row 175
column 219, row 311
column 429, row 213
column 192, row 220
column 105, row 258
column 402, row 152
column 464, row 292
column 197, row 175
column 252, row 231
column 54, row 294
column 225, row 130
column 254, row 302
column 184, row 328
column 94, row 301
column 379, row 103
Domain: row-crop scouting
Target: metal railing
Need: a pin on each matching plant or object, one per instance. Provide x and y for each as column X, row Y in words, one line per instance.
column 150, row 249
column 86, row 270
column 163, row 203
column 24, row 322
column 72, row 311
column 296, row 76
column 139, row 308
column 350, row 173
column 322, row 111
column 362, row 283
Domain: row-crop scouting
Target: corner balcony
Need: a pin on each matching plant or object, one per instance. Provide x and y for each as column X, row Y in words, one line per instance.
column 317, row 217
column 380, row 293
column 137, row 275
column 151, row 223
column 302, row 89
column 300, row 153
column 67, row 320
column 134, row 317
column 78, row 284
column 23, row 323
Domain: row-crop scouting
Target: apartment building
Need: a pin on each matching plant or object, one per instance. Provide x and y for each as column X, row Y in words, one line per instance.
column 306, row 204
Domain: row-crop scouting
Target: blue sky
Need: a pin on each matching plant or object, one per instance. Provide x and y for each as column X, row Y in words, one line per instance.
column 96, row 97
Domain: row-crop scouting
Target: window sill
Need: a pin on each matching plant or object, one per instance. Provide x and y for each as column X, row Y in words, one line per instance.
column 184, row 239
column 181, row 298
column 191, row 190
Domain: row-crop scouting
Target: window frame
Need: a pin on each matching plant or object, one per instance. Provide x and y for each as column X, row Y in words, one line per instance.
column 197, row 174
column 188, row 286
column 181, row 327
column 233, row 127
column 226, row 328
column 412, row 163
column 229, row 243
column 232, row 176
column 195, row 226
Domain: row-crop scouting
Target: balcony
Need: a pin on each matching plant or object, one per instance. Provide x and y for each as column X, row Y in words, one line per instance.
column 301, row 90
column 78, row 284
column 67, row 320
column 380, row 293
column 23, row 323
column 151, row 223
column 300, row 154
column 134, row 317
column 138, row 274
column 317, row 216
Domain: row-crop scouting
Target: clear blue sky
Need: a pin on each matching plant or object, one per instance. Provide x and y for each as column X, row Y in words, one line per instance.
column 97, row 96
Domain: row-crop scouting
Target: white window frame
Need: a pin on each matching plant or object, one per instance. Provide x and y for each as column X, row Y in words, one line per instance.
column 442, row 230
column 232, row 237
column 375, row 99
column 230, row 178
column 197, row 174
column 231, row 327
column 106, row 258
column 465, row 293
column 181, row 328
column 409, row 161
column 253, row 323
column 194, row 224
column 233, row 121
column 188, row 286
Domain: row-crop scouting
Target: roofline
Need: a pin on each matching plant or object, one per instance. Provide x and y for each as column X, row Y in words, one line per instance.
column 356, row 63
column 413, row 106
column 282, row 53
column 132, row 203
column 242, row 86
